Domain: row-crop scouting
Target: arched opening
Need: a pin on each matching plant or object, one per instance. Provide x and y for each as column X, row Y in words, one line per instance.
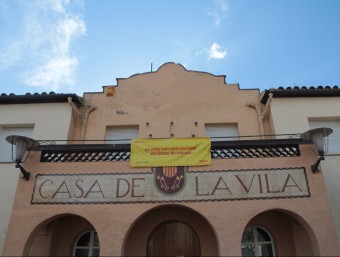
column 278, row 233
column 87, row 244
column 62, row 235
column 170, row 222
column 173, row 238
column 257, row 241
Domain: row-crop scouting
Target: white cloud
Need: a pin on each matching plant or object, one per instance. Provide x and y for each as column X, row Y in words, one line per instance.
column 58, row 5
column 215, row 52
column 218, row 12
column 55, row 72
column 42, row 41
column 66, row 30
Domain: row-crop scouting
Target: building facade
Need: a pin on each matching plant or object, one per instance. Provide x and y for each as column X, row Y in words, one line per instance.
column 257, row 196
column 39, row 116
column 313, row 107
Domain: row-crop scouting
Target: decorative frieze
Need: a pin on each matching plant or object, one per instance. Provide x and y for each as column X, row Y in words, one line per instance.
column 165, row 185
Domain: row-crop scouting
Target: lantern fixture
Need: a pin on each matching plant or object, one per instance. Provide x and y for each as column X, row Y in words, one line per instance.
column 20, row 145
column 320, row 144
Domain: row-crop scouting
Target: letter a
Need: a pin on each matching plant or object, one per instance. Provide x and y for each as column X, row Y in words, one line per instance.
column 220, row 188
column 293, row 185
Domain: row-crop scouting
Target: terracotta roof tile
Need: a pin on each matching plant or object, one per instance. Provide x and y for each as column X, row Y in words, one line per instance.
column 44, row 97
column 303, row 91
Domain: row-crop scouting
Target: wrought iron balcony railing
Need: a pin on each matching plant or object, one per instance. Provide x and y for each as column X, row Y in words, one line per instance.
column 272, row 148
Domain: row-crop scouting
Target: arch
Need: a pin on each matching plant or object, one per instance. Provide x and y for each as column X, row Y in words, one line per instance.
column 300, row 239
column 136, row 239
column 61, row 229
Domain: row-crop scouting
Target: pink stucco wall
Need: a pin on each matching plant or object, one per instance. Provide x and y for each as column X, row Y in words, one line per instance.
column 301, row 226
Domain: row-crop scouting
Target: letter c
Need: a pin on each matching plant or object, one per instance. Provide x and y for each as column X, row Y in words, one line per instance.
column 40, row 188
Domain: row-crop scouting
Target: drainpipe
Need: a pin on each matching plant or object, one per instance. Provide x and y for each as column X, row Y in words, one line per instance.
column 83, row 114
column 261, row 114
column 266, row 108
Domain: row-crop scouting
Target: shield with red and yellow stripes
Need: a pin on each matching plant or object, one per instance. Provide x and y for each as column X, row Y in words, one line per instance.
column 170, row 180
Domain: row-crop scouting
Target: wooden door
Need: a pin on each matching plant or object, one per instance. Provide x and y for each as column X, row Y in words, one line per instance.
column 173, row 238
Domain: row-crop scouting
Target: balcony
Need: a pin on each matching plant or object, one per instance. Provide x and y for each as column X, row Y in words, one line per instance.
column 268, row 148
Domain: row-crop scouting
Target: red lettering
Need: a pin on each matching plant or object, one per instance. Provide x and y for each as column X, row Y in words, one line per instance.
column 286, row 183
column 243, row 185
column 135, row 185
column 260, row 183
column 58, row 191
column 80, row 188
column 94, row 191
column 220, row 188
column 197, row 188
column 118, row 187
column 40, row 188
column 267, row 185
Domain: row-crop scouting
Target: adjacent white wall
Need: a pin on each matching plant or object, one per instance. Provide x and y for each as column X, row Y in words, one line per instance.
column 51, row 121
column 8, row 184
column 292, row 115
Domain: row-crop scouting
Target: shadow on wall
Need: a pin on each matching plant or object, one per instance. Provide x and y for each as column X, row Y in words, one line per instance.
column 280, row 232
column 57, row 236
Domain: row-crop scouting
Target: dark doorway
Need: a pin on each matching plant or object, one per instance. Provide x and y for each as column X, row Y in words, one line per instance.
column 173, row 238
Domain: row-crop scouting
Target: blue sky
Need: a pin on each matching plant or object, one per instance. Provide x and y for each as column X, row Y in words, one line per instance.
column 76, row 46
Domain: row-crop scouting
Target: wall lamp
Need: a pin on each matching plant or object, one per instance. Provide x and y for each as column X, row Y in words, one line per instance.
column 20, row 145
column 320, row 146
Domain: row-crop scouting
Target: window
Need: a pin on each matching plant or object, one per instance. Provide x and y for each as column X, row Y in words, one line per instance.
column 221, row 132
column 5, row 147
column 256, row 242
column 334, row 138
column 123, row 134
column 87, row 244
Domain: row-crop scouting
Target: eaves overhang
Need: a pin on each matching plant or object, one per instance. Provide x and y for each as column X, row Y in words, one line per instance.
column 40, row 98
column 319, row 91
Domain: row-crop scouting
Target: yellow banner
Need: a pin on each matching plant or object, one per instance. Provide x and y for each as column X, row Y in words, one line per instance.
column 170, row 152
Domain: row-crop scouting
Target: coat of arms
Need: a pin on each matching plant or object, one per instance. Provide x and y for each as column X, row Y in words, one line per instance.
column 170, row 180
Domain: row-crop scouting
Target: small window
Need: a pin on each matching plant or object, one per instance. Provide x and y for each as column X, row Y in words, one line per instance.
column 121, row 134
column 87, row 245
column 221, row 132
column 5, row 147
column 334, row 138
column 256, row 241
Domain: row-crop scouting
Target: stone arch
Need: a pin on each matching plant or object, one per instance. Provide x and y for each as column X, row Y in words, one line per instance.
column 136, row 240
column 59, row 230
column 299, row 237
